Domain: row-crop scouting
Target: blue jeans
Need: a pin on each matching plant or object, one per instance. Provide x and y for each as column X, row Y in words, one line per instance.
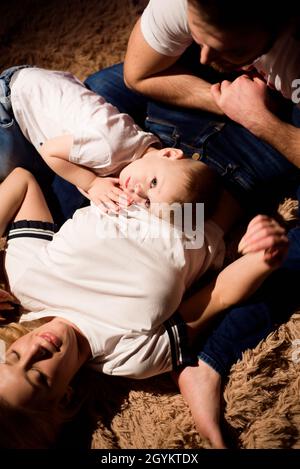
column 244, row 326
column 15, row 150
column 253, row 172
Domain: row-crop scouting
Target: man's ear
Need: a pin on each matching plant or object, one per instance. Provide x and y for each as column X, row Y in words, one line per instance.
column 172, row 153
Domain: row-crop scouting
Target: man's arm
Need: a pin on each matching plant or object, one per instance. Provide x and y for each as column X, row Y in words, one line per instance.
column 103, row 191
column 246, row 101
column 155, row 75
column 264, row 246
column 282, row 136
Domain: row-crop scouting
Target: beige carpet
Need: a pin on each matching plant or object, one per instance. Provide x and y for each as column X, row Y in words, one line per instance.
column 262, row 407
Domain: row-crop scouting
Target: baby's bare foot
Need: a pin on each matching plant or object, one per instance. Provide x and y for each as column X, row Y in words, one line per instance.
column 200, row 386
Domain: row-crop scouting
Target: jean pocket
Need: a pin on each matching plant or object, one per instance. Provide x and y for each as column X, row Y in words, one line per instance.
column 165, row 131
column 231, row 172
column 210, row 132
column 6, row 124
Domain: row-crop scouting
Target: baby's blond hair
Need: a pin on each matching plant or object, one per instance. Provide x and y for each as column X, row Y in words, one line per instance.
column 201, row 185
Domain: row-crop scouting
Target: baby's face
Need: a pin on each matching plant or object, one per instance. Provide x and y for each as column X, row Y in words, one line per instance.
column 154, row 179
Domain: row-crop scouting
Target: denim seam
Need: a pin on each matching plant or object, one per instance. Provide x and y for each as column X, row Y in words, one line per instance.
column 6, row 126
column 212, row 363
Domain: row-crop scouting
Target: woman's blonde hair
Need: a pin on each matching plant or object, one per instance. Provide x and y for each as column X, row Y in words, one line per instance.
column 13, row 331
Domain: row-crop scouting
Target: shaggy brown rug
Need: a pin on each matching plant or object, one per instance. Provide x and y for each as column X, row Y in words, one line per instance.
column 261, row 398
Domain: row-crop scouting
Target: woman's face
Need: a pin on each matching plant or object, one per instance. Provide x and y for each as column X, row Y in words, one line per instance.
column 39, row 366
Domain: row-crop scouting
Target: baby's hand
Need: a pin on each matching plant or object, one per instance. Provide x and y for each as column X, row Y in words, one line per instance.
column 265, row 234
column 106, row 194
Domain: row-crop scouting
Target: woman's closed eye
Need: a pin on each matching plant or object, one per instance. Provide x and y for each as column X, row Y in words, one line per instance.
column 12, row 354
column 38, row 377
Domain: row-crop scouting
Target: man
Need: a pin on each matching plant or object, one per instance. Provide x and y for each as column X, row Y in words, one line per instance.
column 231, row 36
column 161, row 70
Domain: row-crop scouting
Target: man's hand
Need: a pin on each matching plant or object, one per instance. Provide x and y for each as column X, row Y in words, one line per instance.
column 265, row 234
column 244, row 100
column 106, row 194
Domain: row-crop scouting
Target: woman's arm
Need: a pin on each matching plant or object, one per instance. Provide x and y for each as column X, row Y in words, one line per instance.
column 264, row 246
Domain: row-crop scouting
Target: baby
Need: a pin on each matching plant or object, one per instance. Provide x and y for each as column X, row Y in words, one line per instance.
column 88, row 142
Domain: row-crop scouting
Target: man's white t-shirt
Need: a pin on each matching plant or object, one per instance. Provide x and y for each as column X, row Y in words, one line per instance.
column 49, row 104
column 280, row 67
column 165, row 28
column 117, row 278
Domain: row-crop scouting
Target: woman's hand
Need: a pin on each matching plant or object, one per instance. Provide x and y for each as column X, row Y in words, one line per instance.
column 7, row 301
column 265, row 234
column 8, row 304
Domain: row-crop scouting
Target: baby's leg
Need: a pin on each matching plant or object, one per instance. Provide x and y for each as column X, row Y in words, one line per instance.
column 21, row 199
column 200, row 386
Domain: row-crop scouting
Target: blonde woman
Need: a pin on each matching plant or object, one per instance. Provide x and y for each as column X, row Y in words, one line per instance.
column 112, row 303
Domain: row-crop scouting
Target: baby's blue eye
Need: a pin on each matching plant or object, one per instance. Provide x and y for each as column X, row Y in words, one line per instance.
column 153, row 183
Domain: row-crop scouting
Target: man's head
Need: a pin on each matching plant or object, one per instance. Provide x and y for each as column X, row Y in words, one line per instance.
column 165, row 177
column 232, row 33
